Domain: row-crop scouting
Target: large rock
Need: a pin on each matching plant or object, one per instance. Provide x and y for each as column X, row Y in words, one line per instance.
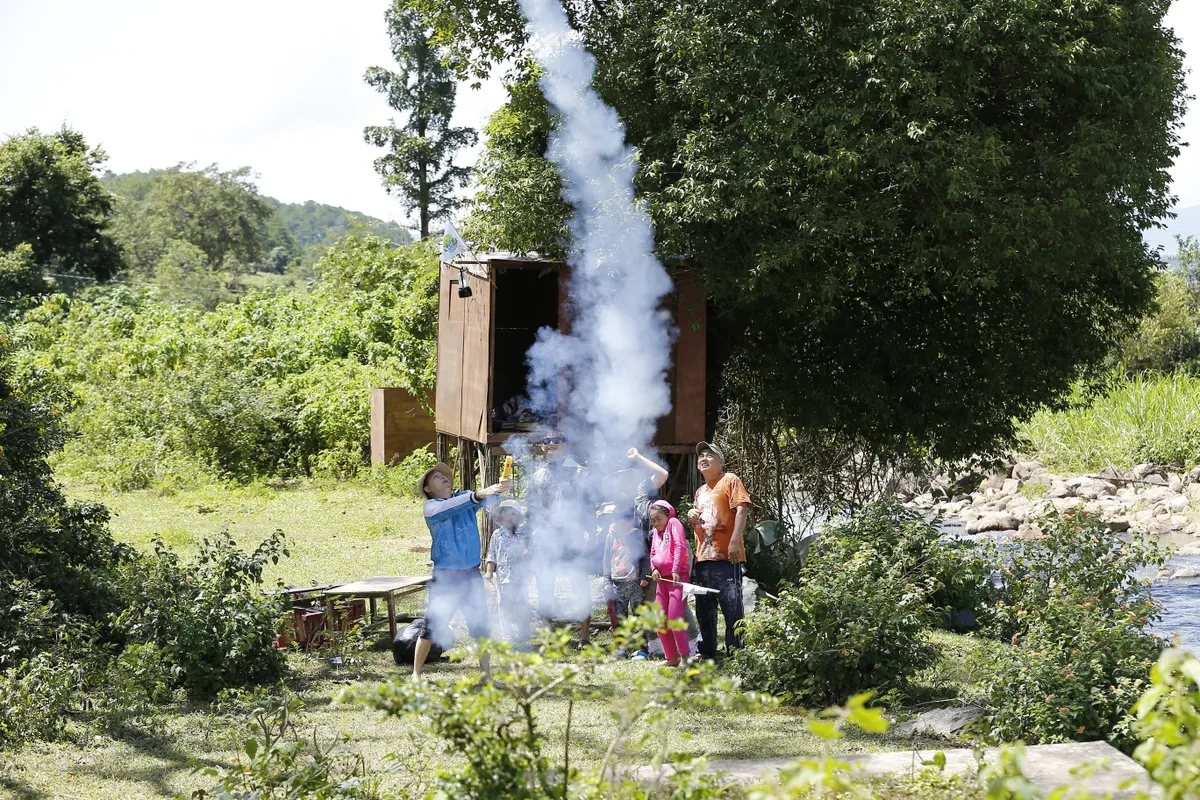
column 1189, row 549
column 1143, row 471
column 994, row 480
column 1091, row 488
column 1024, row 470
column 942, row 723
column 1060, row 491
column 1011, row 486
column 1118, row 524
column 1192, row 476
column 1186, row 572
column 1176, row 503
column 1155, row 494
column 1157, row 480
column 1111, row 473
column 1000, row 521
column 1175, row 483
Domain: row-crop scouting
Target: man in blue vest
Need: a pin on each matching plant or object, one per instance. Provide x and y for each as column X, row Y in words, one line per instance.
column 457, row 584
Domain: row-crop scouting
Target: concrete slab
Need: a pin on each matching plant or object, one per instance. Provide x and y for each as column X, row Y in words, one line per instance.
column 1048, row 766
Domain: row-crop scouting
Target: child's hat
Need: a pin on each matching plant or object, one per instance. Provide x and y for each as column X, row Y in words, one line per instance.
column 438, row 467
column 513, row 504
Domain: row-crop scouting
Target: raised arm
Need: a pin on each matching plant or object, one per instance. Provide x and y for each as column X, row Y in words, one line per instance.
column 657, row 471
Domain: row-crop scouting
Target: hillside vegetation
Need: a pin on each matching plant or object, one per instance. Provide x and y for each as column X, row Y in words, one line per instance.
column 272, row 384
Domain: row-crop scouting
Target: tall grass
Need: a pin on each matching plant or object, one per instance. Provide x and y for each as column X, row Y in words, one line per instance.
column 1145, row 418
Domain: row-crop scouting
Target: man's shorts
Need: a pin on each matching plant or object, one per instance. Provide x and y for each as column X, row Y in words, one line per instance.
column 451, row 591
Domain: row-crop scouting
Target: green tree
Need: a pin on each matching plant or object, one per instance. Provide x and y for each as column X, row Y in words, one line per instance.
column 51, row 200
column 53, row 548
column 419, row 165
column 914, row 222
column 20, row 275
column 1169, row 335
column 220, row 213
column 183, row 277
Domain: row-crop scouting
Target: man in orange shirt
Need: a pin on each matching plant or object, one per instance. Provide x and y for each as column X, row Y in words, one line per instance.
column 718, row 519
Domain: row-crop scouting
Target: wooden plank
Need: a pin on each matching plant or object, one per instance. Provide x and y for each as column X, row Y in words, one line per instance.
column 475, row 411
column 378, row 586
column 690, row 367
column 448, row 394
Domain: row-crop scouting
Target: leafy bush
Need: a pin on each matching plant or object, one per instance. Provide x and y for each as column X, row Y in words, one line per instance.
column 55, row 551
column 1147, row 417
column 853, row 620
column 209, row 617
column 1168, row 722
column 1078, row 617
column 275, row 384
column 1073, row 676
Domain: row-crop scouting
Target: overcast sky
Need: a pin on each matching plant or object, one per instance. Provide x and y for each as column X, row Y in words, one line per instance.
column 266, row 83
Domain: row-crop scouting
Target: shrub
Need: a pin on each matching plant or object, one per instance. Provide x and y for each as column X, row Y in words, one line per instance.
column 1078, row 617
column 1073, row 676
column 1078, row 556
column 854, row 618
column 209, row 617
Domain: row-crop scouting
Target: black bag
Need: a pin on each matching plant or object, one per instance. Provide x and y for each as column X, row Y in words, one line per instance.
column 405, row 643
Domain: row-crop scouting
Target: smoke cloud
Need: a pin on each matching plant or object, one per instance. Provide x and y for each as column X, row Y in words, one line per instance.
column 606, row 379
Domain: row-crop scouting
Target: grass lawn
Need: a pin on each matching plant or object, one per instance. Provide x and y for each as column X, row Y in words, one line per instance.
column 342, row 533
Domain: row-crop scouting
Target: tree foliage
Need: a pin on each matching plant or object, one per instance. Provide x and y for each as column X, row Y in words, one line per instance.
column 419, row 165
column 54, row 549
column 891, row 204
column 218, row 213
column 20, row 276
column 52, row 201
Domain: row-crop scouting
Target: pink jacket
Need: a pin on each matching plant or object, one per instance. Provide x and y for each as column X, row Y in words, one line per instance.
column 669, row 549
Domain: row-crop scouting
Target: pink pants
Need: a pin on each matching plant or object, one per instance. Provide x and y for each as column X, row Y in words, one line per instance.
column 674, row 643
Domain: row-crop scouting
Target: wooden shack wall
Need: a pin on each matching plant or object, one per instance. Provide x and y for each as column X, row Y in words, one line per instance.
column 399, row 425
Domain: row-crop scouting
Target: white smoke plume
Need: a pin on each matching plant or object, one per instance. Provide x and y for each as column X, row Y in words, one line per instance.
column 608, row 375
column 606, row 379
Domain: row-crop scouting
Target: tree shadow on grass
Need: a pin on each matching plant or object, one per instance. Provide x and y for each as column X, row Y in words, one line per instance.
column 172, row 759
column 19, row 789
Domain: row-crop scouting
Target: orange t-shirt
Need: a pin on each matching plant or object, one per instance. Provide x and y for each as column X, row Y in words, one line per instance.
column 718, row 502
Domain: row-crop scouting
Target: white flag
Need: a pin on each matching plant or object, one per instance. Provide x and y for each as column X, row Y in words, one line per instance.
column 453, row 245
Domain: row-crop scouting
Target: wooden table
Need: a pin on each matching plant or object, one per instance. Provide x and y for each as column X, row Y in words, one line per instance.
column 388, row 588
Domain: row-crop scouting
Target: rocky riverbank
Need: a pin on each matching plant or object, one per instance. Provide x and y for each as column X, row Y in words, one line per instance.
column 1150, row 499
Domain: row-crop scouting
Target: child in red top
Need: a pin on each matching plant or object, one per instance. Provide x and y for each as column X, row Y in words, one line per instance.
column 669, row 558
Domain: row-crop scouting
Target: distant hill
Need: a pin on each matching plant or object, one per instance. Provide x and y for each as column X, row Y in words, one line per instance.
column 311, row 224
column 1186, row 223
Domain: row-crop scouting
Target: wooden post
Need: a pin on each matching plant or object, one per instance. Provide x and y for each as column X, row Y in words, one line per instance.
column 391, row 598
column 442, row 448
column 489, row 473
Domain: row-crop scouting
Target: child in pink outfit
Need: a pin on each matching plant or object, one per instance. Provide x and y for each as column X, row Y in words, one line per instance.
column 669, row 558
